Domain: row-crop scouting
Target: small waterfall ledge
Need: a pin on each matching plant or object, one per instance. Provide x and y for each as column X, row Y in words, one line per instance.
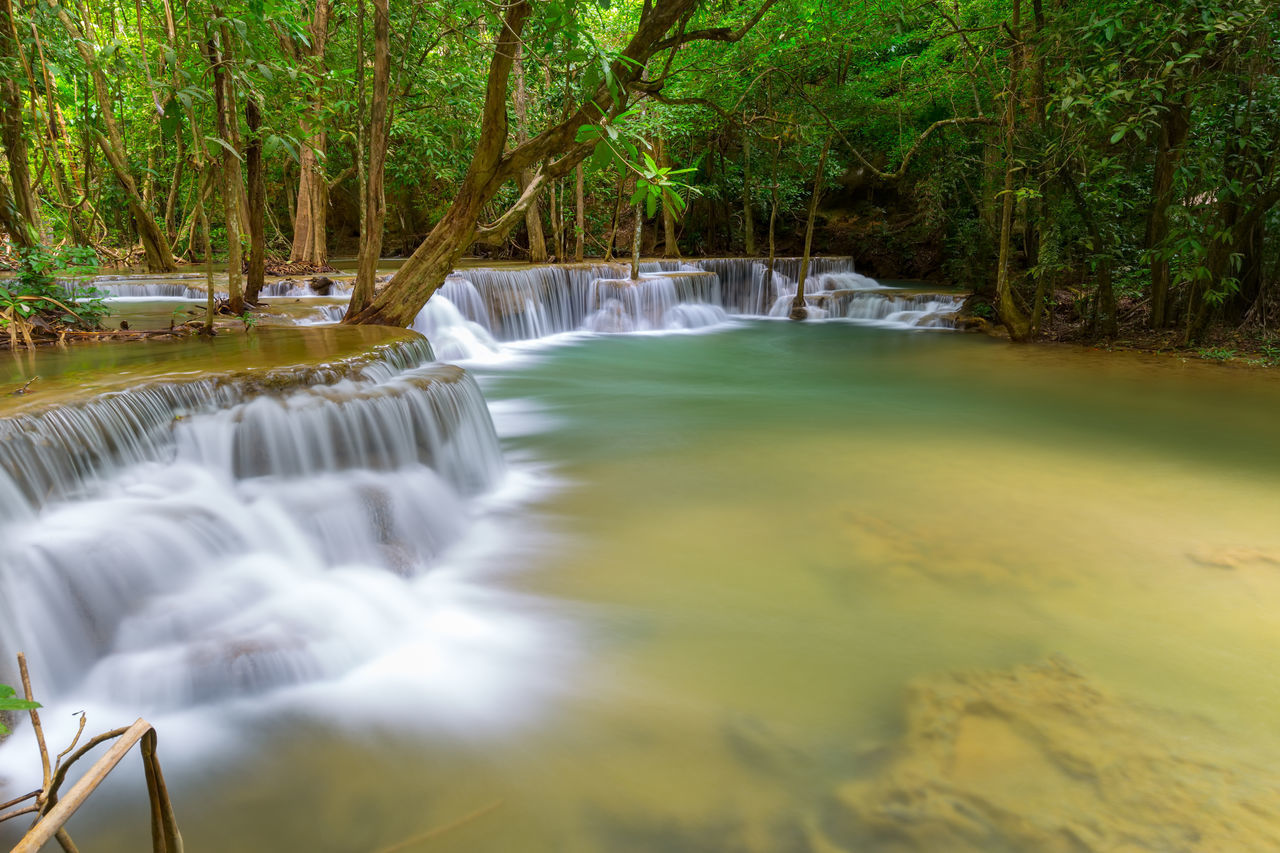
column 218, row 533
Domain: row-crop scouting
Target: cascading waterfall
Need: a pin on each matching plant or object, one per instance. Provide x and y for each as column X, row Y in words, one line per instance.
column 187, row 542
column 916, row 310
column 476, row 309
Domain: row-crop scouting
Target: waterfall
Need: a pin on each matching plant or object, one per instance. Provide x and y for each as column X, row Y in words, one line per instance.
column 188, row 542
column 919, row 310
column 58, row 452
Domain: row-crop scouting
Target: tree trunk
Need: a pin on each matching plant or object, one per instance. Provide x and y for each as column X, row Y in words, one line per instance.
column 748, row 223
column 230, row 171
column 159, row 257
column 670, row 243
column 493, row 165
column 613, row 225
column 375, row 201
column 1006, row 305
column 532, row 217
column 799, row 310
column 257, row 202
column 767, row 293
column 310, row 244
column 637, row 234
column 580, row 216
column 1173, row 133
column 13, row 135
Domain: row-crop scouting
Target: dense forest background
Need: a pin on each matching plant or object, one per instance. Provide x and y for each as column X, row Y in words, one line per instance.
column 1084, row 167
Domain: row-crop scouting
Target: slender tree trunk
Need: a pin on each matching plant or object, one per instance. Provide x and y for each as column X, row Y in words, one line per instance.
column 230, row 172
column 375, row 202
column 670, row 242
column 748, row 222
column 532, row 217
column 613, row 226
column 310, row 244
column 799, row 310
column 257, row 202
column 14, row 137
column 1010, row 314
column 579, row 216
column 203, row 216
column 773, row 221
column 1173, row 133
column 637, row 234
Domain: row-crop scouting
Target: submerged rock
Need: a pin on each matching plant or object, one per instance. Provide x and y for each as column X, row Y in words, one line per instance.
column 1038, row 758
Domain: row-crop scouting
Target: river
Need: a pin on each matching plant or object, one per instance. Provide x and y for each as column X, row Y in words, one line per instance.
column 755, row 586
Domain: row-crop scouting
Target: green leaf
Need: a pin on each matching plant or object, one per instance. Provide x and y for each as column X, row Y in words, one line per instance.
column 227, row 145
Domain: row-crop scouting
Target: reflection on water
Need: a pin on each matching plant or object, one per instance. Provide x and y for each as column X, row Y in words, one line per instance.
column 836, row 589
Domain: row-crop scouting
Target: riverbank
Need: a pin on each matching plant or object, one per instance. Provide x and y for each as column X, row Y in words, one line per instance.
column 1244, row 347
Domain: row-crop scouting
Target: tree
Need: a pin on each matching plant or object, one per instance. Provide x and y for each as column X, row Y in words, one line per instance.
column 662, row 26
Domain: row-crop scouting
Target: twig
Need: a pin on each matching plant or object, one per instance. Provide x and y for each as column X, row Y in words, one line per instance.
column 57, row 762
column 24, row 388
column 31, row 809
column 60, row 776
column 14, row 802
column 35, row 722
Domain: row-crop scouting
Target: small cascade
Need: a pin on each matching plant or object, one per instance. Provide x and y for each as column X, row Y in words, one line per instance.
column 910, row 310
column 623, row 305
column 302, row 287
column 162, row 290
column 243, row 547
column 456, row 322
column 523, row 304
column 694, row 315
column 324, row 314
column 60, row 452
column 847, row 281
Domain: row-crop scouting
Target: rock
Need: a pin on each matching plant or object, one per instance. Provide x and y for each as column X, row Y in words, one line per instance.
column 971, row 323
column 1038, row 758
column 320, row 285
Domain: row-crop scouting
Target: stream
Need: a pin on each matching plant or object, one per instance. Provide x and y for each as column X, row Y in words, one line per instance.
column 655, row 571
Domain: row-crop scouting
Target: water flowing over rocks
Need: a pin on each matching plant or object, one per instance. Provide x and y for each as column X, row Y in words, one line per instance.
column 193, row 539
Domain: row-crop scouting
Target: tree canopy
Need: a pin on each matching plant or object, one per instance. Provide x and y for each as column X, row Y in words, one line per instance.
column 1118, row 159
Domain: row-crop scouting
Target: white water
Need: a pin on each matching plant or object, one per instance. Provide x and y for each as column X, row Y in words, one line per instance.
column 176, row 546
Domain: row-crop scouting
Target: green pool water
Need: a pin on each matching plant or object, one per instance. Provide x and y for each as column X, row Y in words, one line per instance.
column 835, row 588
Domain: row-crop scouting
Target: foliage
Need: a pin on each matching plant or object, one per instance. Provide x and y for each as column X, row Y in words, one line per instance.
column 9, row 702
column 34, row 292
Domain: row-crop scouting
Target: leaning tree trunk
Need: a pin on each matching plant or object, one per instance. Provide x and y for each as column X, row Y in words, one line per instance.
column 375, row 201
column 159, row 256
column 492, row 165
column 799, row 310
